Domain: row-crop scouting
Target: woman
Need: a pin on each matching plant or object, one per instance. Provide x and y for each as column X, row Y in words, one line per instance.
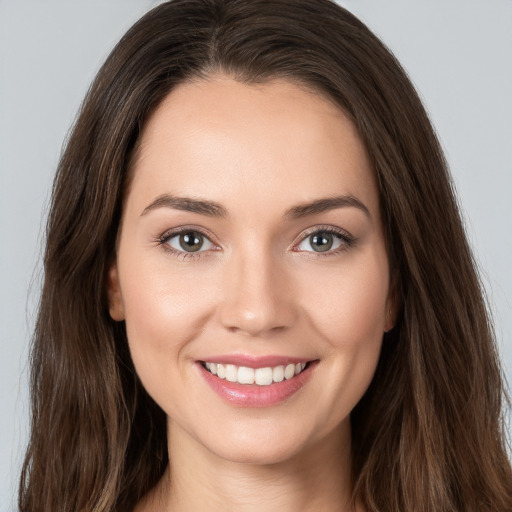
column 258, row 293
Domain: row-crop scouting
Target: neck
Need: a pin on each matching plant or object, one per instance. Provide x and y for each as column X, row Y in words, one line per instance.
column 317, row 478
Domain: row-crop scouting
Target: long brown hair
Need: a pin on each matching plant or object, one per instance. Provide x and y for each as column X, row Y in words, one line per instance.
column 428, row 434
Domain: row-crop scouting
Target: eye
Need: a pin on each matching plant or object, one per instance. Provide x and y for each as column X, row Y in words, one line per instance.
column 324, row 241
column 189, row 241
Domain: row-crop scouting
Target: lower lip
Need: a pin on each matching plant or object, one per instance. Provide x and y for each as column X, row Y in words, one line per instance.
column 252, row 395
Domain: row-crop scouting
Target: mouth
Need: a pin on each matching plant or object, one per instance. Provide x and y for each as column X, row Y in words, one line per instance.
column 264, row 376
column 257, row 383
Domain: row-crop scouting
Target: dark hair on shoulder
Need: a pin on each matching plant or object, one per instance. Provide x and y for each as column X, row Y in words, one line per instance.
column 428, row 434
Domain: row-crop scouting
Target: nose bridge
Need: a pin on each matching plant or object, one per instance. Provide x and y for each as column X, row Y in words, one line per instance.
column 256, row 294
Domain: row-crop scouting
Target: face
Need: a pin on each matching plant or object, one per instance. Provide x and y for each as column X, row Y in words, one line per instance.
column 251, row 247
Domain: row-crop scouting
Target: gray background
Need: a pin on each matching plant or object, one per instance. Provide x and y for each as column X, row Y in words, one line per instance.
column 457, row 52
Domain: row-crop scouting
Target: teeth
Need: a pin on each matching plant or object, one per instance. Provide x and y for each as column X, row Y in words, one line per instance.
column 231, row 373
column 278, row 374
column 221, row 371
column 263, row 376
column 260, row 376
column 245, row 375
column 289, row 371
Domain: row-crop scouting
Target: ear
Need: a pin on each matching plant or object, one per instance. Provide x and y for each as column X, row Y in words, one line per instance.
column 392, row 306
column 390, row 318
column 115, row 299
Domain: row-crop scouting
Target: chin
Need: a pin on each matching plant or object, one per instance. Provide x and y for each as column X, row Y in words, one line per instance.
column 252, row 453
column 261, row 445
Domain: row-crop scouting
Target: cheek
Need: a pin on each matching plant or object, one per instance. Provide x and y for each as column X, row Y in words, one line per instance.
column 166, row 307
column 348, row 304
column 347, row 309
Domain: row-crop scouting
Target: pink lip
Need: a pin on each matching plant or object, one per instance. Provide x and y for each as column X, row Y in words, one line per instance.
column 255, row 361
column 252, row 395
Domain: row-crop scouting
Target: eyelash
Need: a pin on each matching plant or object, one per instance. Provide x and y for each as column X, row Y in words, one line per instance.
column 183, row 255
column 348, row 241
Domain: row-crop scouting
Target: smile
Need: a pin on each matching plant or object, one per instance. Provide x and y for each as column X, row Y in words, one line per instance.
column 260, row 382
column 260, row 376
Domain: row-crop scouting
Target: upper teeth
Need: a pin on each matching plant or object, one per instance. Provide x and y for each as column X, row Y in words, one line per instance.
column 260, row 376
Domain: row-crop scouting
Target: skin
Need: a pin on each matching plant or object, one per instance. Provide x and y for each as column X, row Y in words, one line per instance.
column 258, row 288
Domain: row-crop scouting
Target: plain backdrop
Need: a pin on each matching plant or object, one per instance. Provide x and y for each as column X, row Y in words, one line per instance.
column 457, row 52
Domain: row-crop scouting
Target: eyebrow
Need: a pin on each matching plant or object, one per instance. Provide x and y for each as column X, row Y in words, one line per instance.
column 213, row 209
column 209, row 208
column 324, row 205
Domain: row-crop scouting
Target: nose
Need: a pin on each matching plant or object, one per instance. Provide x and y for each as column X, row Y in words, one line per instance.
column 257, row 295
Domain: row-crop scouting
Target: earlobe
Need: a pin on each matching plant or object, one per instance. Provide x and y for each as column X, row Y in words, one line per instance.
column 115, row 300
column 392, row 307
column 390, row 320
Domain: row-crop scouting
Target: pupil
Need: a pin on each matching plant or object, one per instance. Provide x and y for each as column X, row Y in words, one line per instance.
column 322, row 242
column 191, row 242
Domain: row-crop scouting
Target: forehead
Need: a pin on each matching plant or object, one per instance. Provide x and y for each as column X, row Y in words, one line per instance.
column 232, row 142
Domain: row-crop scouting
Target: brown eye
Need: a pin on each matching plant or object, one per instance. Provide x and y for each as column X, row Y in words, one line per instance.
column 190, row 241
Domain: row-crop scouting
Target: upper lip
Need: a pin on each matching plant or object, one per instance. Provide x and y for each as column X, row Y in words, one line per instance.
column 255, row 361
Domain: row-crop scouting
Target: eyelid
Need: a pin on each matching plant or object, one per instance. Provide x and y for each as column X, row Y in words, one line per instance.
column 171, row 233
column 347, row 239
column 185, row 229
